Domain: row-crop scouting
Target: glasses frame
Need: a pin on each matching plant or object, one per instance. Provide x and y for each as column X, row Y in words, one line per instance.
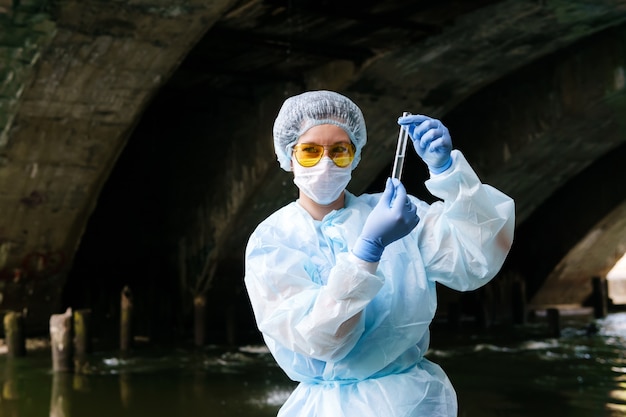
column 332, row 156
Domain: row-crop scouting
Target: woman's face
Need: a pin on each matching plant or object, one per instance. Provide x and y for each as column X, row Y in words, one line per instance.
column 320, row 180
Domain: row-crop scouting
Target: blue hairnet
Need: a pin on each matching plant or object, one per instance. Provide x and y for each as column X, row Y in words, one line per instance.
column 300, row 113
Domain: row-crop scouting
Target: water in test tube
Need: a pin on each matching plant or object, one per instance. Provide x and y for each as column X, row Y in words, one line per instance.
column 398, row 162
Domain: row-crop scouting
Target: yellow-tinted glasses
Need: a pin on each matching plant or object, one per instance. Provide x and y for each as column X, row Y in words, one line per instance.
column 309, row 154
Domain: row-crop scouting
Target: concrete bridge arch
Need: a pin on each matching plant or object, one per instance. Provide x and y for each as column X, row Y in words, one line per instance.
column 137, row 135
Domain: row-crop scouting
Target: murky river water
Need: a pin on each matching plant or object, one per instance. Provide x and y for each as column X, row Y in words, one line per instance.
column 514, row 371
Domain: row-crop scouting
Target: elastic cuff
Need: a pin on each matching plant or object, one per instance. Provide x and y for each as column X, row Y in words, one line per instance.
column 442, row 168
column 368, row 250
column 364, row 265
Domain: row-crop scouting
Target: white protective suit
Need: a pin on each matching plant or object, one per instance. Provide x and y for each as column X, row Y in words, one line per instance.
column 356, row 341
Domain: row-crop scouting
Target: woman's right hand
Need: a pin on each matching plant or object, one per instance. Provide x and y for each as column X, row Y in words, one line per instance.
column 391, row 219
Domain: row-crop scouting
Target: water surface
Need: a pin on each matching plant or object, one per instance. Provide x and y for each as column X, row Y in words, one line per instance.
column 503, row 371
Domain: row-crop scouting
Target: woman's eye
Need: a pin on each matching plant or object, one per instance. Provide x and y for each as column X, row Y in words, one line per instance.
column 310, row 149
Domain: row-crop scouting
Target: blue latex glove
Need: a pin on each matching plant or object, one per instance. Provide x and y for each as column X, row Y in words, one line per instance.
column 391, row 219
column 431, row 141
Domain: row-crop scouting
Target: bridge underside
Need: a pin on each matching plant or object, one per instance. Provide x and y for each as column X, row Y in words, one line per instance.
column 137, row 140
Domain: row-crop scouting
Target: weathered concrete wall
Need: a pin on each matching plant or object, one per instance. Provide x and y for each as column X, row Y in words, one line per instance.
column 571, row 102
column 25, row 31
column 80, row 86
column 547, row 114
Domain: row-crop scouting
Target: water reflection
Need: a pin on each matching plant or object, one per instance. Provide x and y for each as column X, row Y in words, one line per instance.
column 10, row 392
column 579, row 374
column 157, row 383
column 517, row 372
column 60, row 398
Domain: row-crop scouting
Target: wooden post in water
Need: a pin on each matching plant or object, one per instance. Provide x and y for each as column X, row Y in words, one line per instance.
column 14, row 334
column 518, row 302
column 126, row 319
column 82, row 337
column 554, row 321
column 199, row 319
column 599, row 298
column 62, row 341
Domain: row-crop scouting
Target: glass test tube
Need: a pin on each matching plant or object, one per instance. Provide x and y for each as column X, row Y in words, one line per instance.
column 398, row 161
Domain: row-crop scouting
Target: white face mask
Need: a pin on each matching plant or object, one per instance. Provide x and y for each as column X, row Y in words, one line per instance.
column 322, row 183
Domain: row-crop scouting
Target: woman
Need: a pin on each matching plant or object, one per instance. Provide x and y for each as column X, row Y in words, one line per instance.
column 343, row 288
